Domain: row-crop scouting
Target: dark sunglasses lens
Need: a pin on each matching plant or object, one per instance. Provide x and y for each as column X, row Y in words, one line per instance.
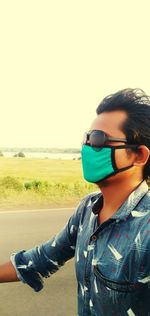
column 97, row 138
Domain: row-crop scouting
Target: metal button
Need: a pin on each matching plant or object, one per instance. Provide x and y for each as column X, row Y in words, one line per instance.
column 94, row 237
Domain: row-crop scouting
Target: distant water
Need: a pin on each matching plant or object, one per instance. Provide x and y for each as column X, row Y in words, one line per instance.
column 62, row 156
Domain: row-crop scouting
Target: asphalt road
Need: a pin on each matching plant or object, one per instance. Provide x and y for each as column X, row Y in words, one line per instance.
column 23, row 230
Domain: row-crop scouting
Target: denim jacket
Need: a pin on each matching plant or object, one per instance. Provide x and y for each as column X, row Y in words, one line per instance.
column 112, row 260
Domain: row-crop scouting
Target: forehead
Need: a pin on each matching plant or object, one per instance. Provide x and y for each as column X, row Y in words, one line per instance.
column 110, row 123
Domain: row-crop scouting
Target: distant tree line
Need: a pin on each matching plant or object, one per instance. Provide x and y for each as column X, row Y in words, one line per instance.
column 20, row 154
column 43, row 150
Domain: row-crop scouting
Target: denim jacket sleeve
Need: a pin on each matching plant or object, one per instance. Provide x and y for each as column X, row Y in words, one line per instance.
column 46, row 258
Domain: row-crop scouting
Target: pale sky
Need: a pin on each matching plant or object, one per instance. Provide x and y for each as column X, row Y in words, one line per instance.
column 58, row 59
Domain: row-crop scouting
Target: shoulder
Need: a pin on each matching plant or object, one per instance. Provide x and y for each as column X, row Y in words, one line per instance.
column 140, row 220
column 144, row 204
column 141, row 212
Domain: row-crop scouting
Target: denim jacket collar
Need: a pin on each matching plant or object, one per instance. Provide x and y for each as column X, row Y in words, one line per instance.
column 126, row 208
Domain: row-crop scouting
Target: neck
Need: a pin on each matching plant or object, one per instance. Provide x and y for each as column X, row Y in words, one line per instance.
column 115, row 194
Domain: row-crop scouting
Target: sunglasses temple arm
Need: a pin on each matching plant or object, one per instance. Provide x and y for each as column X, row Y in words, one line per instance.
column 118, row 139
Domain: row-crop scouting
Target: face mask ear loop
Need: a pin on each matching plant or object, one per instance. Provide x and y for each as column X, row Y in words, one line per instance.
column 113, row 159
column 125, row 168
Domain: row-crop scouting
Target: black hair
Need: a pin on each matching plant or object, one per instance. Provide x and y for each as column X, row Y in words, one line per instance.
column 137, row 126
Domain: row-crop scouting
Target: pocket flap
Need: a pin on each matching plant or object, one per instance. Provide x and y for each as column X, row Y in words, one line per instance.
column 121, row 286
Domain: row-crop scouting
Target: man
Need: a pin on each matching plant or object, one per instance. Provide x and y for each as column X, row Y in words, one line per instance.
column 109, row 232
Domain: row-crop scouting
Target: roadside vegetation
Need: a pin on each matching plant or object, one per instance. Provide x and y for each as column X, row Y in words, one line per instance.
column 41, row 183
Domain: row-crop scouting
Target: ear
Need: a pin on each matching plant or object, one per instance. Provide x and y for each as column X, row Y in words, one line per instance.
column 142, row 156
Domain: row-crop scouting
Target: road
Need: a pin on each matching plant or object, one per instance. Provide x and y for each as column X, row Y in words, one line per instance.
column 23, row 230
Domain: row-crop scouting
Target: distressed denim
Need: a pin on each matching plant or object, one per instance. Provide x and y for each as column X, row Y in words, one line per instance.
column 112, row 260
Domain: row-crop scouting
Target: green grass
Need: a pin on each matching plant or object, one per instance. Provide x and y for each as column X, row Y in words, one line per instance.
column 37, row 183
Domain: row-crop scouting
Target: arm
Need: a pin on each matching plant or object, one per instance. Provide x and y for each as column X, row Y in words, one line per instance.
column 45, row 259
column 8, row 273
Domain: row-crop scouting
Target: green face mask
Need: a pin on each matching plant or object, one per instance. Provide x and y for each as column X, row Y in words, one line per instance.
column 99, row 163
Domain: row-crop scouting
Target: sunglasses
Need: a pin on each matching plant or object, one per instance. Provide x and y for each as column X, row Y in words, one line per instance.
column 97, row 138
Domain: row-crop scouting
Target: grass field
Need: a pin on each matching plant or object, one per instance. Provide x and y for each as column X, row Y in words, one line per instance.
column 41, row 183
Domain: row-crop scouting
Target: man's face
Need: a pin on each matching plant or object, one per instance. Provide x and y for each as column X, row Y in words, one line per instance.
column 110, row 123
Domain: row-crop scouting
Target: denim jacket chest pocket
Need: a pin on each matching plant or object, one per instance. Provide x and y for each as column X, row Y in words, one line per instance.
column 118, row 286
